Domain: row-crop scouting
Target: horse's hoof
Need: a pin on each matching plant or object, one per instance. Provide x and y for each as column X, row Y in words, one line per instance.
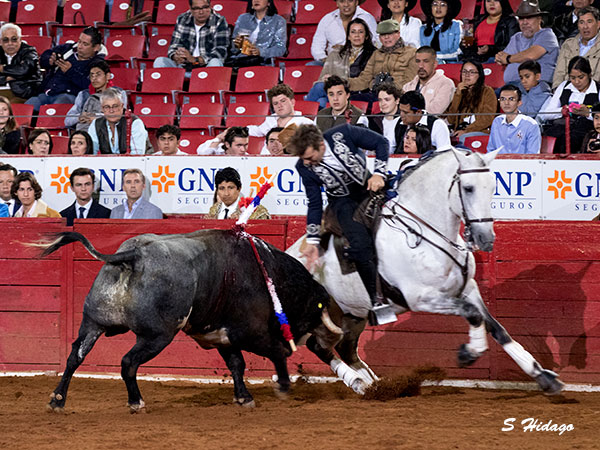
column 55, row 409
column 56, row 404
column 359, row 386
column 549, row 382
column 245, row 402
column 464, row 357
column 138, row 408
column 281, row 393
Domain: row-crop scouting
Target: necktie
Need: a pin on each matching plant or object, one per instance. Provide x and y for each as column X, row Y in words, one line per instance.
column 8, row 204
column 81, row 211
column 226, row 213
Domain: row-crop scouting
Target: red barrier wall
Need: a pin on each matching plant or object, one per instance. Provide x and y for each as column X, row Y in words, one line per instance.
column 541, row 282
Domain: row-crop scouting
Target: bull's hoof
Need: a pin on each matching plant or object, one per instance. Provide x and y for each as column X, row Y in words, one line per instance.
column 245, row 402
column 137, row 408
column 465, row 357
column 55, row 409
column 281, row 392
column 549, row 382
column 56, row 404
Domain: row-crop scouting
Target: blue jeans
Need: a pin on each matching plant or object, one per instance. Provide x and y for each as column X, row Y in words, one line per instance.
column 44, row 99
column 317, row 94
column 164, row 61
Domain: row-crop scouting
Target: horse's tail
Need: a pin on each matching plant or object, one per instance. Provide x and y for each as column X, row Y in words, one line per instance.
column 58, row 240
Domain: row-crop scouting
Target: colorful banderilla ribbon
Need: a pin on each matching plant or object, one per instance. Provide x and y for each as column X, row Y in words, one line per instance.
column 251, row 204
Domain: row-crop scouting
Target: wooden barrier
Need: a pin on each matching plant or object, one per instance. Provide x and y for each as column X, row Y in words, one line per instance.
column 541, row 282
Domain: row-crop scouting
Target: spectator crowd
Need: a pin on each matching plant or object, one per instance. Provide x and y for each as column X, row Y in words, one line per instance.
column 416, row 73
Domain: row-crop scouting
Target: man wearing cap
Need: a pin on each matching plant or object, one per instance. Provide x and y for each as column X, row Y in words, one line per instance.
column 331, row 31
column 532, row 42
column 393, row 62
column 410, row 27
column 586, row 43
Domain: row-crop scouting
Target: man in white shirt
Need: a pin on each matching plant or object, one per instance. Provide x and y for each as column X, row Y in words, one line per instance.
column 331, row 31
column 436, row 87
column 282, row 101
column 7, row 176
column 134, row 206
column 233, row 142
column 167, row 139
column 412, row 112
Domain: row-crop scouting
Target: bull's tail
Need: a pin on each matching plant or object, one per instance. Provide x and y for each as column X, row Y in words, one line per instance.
column 58, row 240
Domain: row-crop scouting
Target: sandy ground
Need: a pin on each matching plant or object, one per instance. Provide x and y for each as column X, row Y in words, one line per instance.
column 326, row 416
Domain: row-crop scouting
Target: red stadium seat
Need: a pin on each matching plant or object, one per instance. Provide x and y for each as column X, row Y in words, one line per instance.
column 298, row 50
column 252, row 84
column 40, row 43
column 373, row 7
column 122, row 10
column 467, row 10
column 307, row 108
column 255, row 145
column 242, row 114
column 452, row 71
column 230, row 9
column 124, row 49
column 285, row 9
column 60, row 145
column 23, row 113
column 160, row 85
column 201, row 117
column 494, row 75
column 154, row 116
column 190, row 140
column 548, row 144
column 477, row 143
column 308, row 15
column 206, row 85
column 83, row 12
column 374, row 109
column 301, row 78
column 363, row 106
column 125, row 78
column 417, row 11
column 157, row 46
column 53, row 116
column 167, row 12
column 34, row 17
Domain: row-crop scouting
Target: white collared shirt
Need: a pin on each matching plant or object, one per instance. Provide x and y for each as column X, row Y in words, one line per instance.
column 330, row 160
column 553, row 105
column 127, row 214
column 10, row 203
column 87, row 207
column 177, row 153
column 19, row 213
column 230, row 209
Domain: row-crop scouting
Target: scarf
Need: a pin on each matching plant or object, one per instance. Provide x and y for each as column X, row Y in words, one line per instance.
column 394, row 47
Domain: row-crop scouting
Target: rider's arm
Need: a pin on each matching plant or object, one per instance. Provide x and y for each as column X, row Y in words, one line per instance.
column 315, row 203
column 370, row 140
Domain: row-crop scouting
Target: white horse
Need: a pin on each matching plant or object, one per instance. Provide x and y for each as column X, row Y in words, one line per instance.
column 425, row 265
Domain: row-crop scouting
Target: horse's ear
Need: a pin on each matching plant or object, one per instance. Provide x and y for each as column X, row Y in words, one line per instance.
column 460, row 156
column 489, row 157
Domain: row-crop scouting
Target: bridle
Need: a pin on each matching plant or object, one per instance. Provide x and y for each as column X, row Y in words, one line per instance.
column 468, row 236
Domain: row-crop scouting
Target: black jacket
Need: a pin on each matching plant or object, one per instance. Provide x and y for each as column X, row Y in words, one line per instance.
column 506, row 28
column 97, row 211
column 25, row 68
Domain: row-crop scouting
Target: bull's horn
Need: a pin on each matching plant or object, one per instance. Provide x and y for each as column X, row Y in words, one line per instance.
column 329, row 323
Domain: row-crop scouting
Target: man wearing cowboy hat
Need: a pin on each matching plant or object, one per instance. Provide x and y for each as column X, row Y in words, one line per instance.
column 532, row 42
column 331, row 31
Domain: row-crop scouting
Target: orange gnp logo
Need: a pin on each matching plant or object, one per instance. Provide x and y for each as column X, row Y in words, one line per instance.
column 60, row 180
column 260, row 177
column 163, row 179
column 559, row 184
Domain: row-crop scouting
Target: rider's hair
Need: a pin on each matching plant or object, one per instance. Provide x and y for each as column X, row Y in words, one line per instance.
column 304, row 137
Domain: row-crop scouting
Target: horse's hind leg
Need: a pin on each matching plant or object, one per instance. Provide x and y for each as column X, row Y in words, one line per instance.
column 143, row 351
column 89, row 332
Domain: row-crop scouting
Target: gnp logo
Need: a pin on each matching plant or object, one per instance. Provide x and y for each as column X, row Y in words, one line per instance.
column 260, row 177
column 163, row 179
column 60, row 180
column 559, row 184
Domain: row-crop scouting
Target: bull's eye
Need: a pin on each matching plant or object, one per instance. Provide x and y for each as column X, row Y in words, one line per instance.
column 469, row 189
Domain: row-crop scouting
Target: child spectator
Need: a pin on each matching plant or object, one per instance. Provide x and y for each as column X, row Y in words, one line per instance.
column 535, row 92
column 513, row 132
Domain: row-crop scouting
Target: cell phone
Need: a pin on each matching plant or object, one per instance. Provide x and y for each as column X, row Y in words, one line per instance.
column 59, row 56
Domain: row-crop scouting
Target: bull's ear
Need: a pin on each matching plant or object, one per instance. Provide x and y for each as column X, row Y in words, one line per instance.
column 489, row 157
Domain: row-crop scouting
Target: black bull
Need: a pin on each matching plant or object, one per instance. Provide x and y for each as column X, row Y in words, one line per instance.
column 208, row 284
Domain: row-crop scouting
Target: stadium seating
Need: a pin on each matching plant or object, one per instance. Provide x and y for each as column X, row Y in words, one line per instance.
column 301, row 78
column 252, row 84
column 24, row 111
column 494, row 75
column 309, row 14
column 52, row 117
column 230, row 9
column 477, row 143
column 35, row 16
column 243, row 114
column 255, row 145
column 285, row 9
column 548, row 143
column 166, row 17
column 157, row 46
column 373, row 7
column 155, row 115
column 206, row 85
column 122, row 50
column 125, row 78
column 190, row 140
column 60, row 145
column 77, row 15
column 309, row 109
column 298, row 50
column 201, row 117
column 40, row 43
column 160, row 85
column 452, row 71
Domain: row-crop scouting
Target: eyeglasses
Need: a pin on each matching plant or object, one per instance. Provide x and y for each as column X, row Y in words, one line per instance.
column 41, row 142
column 200, row 8
column 113, row 107
column 470, row 72
column 13, row 39
column 508, row 99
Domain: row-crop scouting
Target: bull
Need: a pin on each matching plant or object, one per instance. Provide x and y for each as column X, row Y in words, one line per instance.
column 207, row 284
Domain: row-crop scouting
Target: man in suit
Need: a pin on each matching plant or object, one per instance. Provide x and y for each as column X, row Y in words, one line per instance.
column 7, row 176
column 336, row 160
column 84, row 207
column 134, row 206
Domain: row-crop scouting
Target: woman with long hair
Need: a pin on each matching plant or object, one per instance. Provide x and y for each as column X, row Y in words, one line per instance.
column 80, row 143
column 346, row 62
column 492, row 31
column 10, row 136
column 417, row 140
column 259, row 35
column 577, row 94
column 474, row 104
column 442, row 31
column 27, row 190
column 398, row 10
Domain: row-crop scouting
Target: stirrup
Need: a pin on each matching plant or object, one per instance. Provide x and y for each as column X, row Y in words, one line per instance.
column 381, row 313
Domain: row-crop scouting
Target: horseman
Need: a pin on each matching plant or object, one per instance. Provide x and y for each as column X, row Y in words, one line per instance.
column 336, row 160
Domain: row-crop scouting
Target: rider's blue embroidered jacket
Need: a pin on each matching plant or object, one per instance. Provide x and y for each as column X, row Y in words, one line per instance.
column 346, row 143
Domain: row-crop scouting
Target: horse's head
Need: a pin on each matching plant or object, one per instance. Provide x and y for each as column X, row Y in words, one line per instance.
column 472, row 190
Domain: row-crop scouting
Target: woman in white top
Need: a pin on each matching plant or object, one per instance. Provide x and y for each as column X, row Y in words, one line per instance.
column 409, row 26
column 578, row 94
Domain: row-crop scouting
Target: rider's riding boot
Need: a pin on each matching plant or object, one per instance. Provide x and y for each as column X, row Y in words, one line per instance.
column 368, row 274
